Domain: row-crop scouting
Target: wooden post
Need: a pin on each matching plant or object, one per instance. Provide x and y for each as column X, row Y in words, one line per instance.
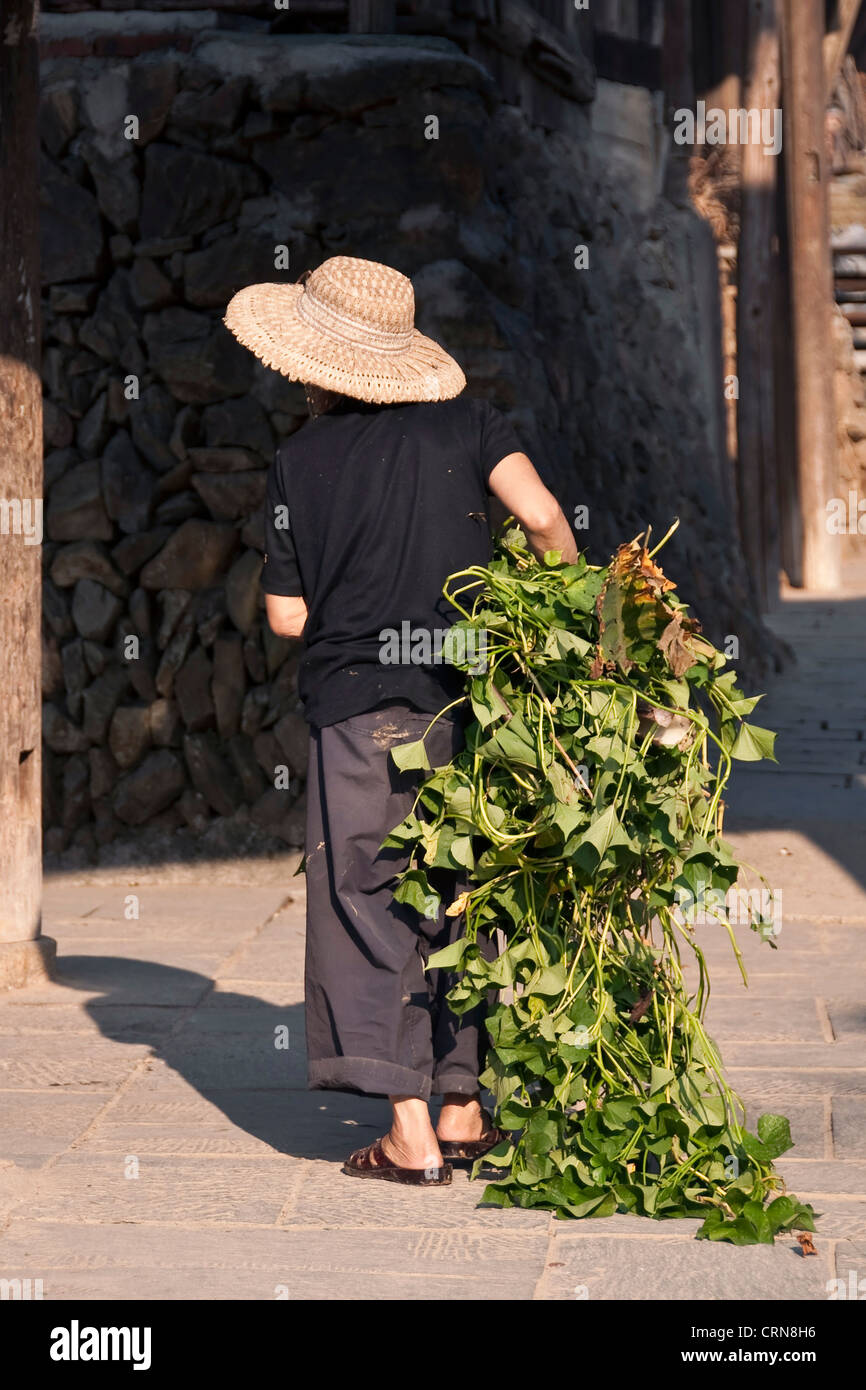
column 756, row 433
column 837, row 41
column 811, row 287
column 790, row 536
column 679, row 91
column 23, row 954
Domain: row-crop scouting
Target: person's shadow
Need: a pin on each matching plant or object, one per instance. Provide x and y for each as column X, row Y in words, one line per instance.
column 244, row 1056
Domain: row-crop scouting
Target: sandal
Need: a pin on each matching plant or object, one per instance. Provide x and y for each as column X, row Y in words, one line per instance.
column 373, row 1162
column 471, row 1149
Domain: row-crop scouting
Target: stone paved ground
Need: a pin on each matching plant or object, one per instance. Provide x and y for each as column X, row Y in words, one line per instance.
column 156, row 1143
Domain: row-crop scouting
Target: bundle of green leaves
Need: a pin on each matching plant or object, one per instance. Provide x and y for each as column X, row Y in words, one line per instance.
column 584, row 810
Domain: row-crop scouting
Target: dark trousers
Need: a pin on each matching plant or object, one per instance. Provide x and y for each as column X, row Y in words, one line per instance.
column 377, row 1022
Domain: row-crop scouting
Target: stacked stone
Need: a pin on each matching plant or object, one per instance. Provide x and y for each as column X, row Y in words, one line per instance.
column 170, row 706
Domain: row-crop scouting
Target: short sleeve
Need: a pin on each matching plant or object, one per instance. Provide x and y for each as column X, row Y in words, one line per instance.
column 280, row 574
column 498, row 438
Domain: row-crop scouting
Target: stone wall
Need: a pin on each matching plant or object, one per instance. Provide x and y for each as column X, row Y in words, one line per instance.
column 169, row 704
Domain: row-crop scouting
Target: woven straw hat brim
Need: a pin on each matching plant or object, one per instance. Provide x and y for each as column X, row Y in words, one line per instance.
column 265, row 319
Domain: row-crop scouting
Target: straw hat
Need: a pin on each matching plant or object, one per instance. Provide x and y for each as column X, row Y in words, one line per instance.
column 350, row 328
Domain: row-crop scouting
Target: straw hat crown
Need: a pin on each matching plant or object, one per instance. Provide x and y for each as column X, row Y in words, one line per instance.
column 351, row 328
column 370, row 304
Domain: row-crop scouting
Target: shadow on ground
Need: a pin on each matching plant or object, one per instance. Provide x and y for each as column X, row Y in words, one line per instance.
column 243, row 1055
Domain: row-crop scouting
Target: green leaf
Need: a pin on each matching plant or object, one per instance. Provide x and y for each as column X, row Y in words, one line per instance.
column 515, row 742
column 782, row 1213
column 774, row 1131
column 409, row 756
column 659, row 1078
column 563, row 785
column 414, row 890
column 449, row 957
column 551, row 980
column 495, row 1196
column 753, row 743
column 561, row 643
column 754, row 1213
column 461, row 851
column 603, row 832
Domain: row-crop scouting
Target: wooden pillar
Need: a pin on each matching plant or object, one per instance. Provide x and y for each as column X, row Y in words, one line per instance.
column 23, row 954
column 756, row 424
column 837, row 41
column 790, row 535
column 679, row 91
column 811, row 288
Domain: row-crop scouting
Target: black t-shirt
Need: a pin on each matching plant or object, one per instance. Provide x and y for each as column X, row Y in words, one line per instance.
column 369, row 509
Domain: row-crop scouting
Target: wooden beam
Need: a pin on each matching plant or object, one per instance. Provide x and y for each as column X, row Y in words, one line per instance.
column 756, row 426
column 836, row 43
column 811, row 289
column 20, row 498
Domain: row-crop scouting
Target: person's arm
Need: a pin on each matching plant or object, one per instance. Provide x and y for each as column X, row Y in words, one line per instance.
column 285, row 603
column 287, row 614
column 517, row 485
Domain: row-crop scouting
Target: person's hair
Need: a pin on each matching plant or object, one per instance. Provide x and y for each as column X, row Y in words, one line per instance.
column 320, row 401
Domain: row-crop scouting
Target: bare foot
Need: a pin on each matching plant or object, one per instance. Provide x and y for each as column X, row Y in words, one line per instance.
column 411, row 1141
column 460, row 1118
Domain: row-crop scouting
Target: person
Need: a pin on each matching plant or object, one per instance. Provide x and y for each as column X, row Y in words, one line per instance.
column 379, row 496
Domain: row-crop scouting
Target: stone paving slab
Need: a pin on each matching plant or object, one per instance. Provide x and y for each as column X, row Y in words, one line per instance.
column 821, row 1176
column 105, row 933
column 847, row 1056
column 254, row 1262
column 808, row 981
column 851, row 1261
column 302, row 1124
column 107, row 1020
column 593, row 1267
column 849, row 1127
column 840, row 1218
column 325, row 1283
column 270, row 959
column 751, row 1018
column 235, row 1062
column 98, row 980
column 239, row 993
column 326, row 1199
column 73, row 1062
column 85, row 1187
column 30, row 1135
column 775, row 1088
column 196, row 901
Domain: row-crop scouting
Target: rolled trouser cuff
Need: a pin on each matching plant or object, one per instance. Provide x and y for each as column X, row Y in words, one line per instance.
column 369, row 1076
column 460, row 1083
